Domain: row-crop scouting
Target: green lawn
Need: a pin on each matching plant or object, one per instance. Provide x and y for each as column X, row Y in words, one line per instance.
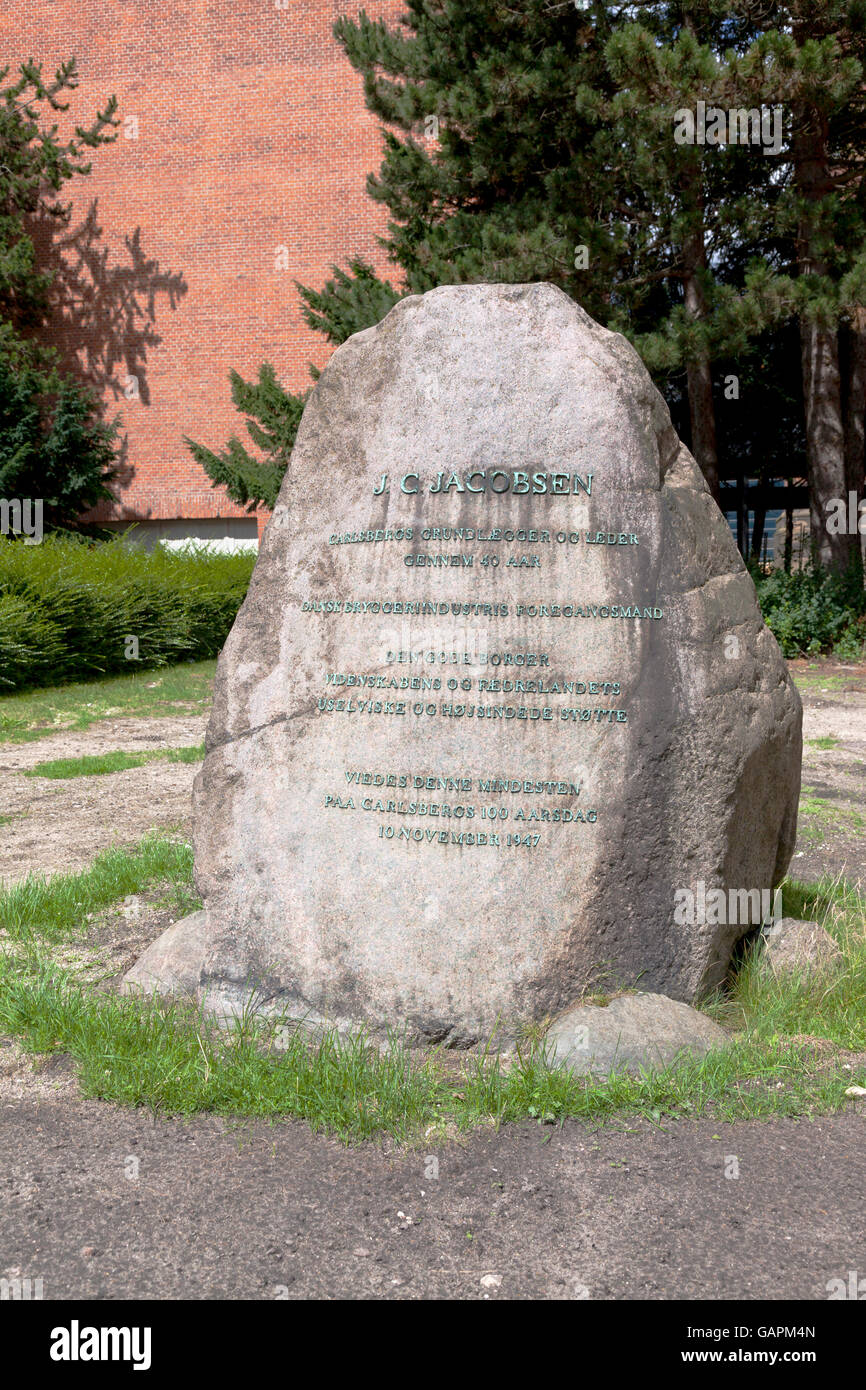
column 40, row 909
column 97, row 764
column 181, row 689
column 805, row 680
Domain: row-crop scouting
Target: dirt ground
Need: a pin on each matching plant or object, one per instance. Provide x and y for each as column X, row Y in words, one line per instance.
column 103, row 1203
column 834, row 706
column 57, row 826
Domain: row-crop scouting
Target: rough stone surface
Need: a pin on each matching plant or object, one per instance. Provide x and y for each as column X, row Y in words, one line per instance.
column 376, row 913
column 632, row 1031
column 792, row 946
column 172, row 965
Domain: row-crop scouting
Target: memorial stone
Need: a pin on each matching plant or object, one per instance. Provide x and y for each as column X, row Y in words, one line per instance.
column 499, row 699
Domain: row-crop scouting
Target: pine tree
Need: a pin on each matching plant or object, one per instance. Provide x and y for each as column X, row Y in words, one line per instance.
column 812, row 57
column 549, row 154
column 272, row 423
column 652, row 213
column 53, row 443
column 528, row 140
column 661, row 73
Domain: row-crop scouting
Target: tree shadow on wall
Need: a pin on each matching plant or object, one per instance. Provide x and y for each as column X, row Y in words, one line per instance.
column 103, row 314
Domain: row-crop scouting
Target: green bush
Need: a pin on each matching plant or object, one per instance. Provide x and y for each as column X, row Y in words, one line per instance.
column 809, row 611
column 67, row 607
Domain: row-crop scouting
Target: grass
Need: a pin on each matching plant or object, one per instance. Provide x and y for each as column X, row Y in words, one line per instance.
column 98, row 764
column 818, row 683
column 176, row 690
column 828, row 741
column 39, row 908
column 832, row 1007
column 175, row 1060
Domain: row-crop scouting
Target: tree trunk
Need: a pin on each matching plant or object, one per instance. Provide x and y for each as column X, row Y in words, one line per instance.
column 703, row 422
column 825, row 443
column 758, row 529
column 819, row 345
column 699, row 375
column 789, row 536
column 855, row 404
column 855, row 423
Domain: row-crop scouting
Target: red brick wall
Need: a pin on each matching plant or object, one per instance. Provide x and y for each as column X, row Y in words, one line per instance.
column 252, row 135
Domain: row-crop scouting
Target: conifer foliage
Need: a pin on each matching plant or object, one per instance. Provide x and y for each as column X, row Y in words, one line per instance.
column 54, row 445
column 691, row 173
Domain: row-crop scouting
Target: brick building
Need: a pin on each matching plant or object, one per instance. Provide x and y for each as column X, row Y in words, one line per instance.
column 240, row 167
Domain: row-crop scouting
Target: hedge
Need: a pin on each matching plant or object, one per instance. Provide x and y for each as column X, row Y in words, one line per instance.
column 68, row 606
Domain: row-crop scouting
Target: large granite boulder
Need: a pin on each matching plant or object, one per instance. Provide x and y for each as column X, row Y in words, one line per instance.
column 500, row 704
